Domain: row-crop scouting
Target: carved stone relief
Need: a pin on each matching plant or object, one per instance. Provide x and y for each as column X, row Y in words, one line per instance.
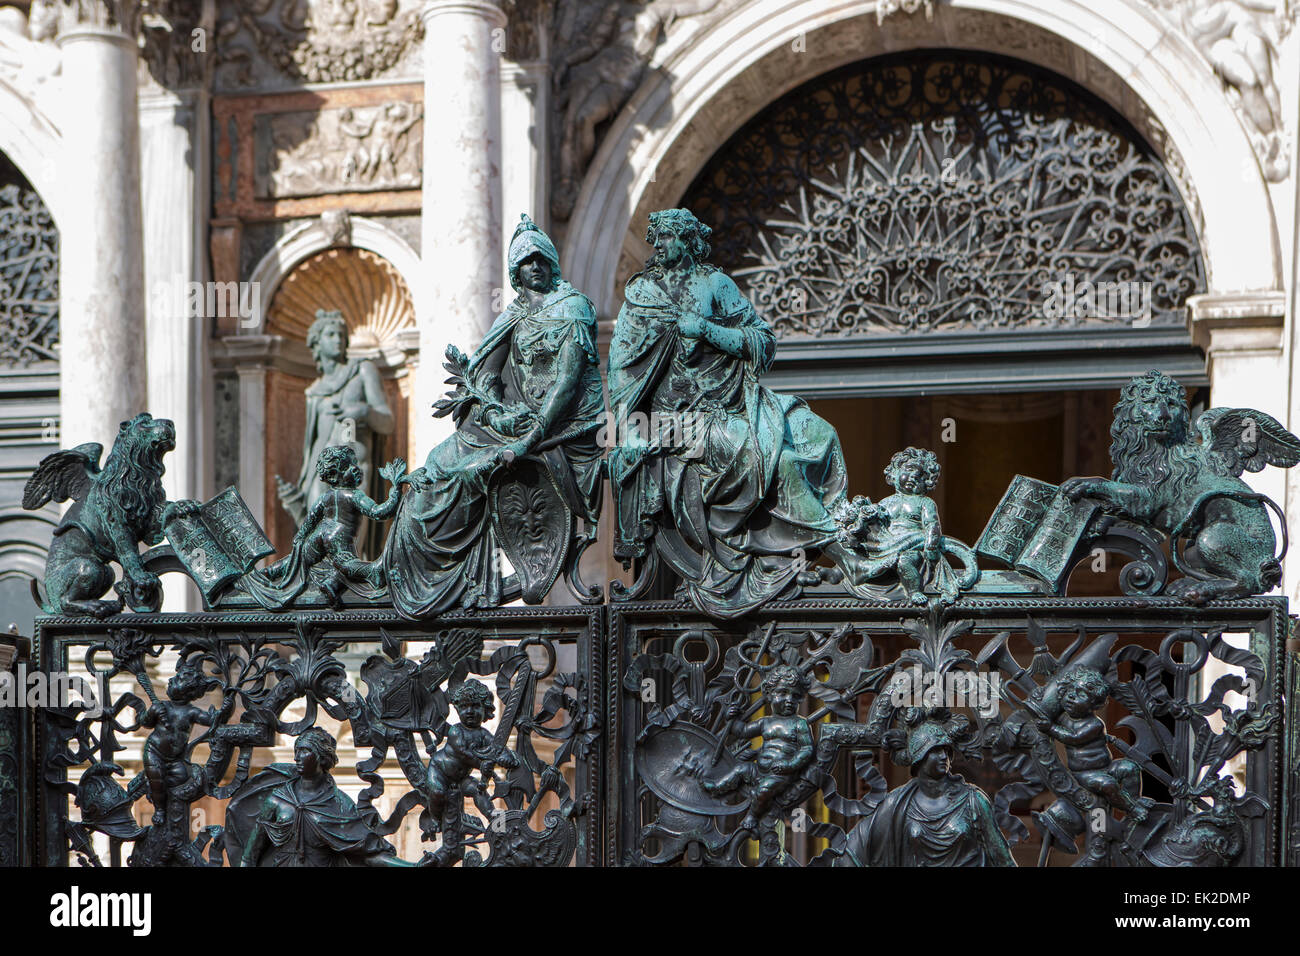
column 601, row 54
column 264, row 43
column 353, row 149
column 296, row 155
column 1241, row 40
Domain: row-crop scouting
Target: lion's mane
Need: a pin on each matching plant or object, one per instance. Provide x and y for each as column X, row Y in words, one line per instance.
column 131, row 481
column 1141, row 458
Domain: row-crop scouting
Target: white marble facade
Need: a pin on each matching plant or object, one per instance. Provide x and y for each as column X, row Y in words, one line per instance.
column 1213, row 84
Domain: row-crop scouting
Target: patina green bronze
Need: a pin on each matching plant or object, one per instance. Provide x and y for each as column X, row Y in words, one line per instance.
column 733, row 487
column 524, row 462
column 324, row 561
column 114, row 510
column 1192, row 490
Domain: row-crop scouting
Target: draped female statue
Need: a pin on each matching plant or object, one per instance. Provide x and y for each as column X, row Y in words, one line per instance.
column 346, row 405
column 524, row 457
column 736, row 488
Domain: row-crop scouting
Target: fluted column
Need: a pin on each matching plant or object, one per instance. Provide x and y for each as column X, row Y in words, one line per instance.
column 102, row 372
column 461, row 234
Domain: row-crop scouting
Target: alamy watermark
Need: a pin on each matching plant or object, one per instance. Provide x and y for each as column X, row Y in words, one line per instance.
column 678, row 431
column 57, row 689
column 915, row 687
column 1070, row 299
column 209, row 300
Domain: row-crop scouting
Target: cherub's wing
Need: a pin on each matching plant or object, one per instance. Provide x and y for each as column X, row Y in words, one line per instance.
column 63, row 475
column 1247, row 440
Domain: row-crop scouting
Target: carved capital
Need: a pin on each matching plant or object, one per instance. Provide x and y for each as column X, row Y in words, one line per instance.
column 75, row 16
column 178, row 43
column 488, row 9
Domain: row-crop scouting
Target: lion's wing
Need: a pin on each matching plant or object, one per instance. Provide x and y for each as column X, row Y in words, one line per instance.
column 1247, row 440
column 62, row 475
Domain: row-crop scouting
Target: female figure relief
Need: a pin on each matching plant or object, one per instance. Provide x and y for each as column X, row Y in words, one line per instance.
column 531, row 389
column 936, row 818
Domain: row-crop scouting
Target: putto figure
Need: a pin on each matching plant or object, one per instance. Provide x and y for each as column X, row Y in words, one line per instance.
column 324, row 548
column 346, row 405
column 469, row 747
column 1193, row 490
column 1119, row 782
column 166, row 751
column 742, row 517
column 904, row 535
column 532, row 389
column 786, row 752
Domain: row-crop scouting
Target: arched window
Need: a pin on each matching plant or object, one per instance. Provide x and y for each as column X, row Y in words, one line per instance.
column 928, row 211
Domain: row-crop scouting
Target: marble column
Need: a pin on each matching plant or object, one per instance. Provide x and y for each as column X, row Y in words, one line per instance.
column 174, row 199
column 103, row 375
column 525, row 135
column 461, row 244
column 174, row 194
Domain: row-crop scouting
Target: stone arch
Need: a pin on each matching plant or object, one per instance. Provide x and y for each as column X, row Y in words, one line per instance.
column 707, row 87
column 310, row 238
column 34, row 144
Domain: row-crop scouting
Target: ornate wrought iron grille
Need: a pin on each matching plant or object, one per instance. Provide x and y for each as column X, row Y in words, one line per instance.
column 675, row 678
column 378, row 684
column 29, row 273
column 945, row 192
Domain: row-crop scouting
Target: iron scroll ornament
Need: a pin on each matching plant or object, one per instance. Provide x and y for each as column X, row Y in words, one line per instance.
column 946, row 192
column 418, row 708
column 1089, row 746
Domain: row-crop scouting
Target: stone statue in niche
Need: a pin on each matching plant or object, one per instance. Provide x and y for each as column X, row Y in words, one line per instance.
column 524, row 461
column 346, row 405
column 740, row 509
column 1189, row 489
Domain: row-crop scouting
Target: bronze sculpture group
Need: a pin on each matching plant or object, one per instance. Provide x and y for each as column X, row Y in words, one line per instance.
column 740, row 501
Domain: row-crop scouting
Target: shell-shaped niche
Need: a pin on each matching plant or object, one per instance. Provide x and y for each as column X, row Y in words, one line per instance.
column 372, row 295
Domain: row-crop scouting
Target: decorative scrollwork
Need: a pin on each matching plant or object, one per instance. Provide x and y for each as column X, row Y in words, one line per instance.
column 517, row 771
column 946, row 193
column 1117, row 750
column 29, row 273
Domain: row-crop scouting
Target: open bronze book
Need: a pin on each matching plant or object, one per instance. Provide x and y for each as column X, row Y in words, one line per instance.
column 1036, row 530
column 221, row 541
